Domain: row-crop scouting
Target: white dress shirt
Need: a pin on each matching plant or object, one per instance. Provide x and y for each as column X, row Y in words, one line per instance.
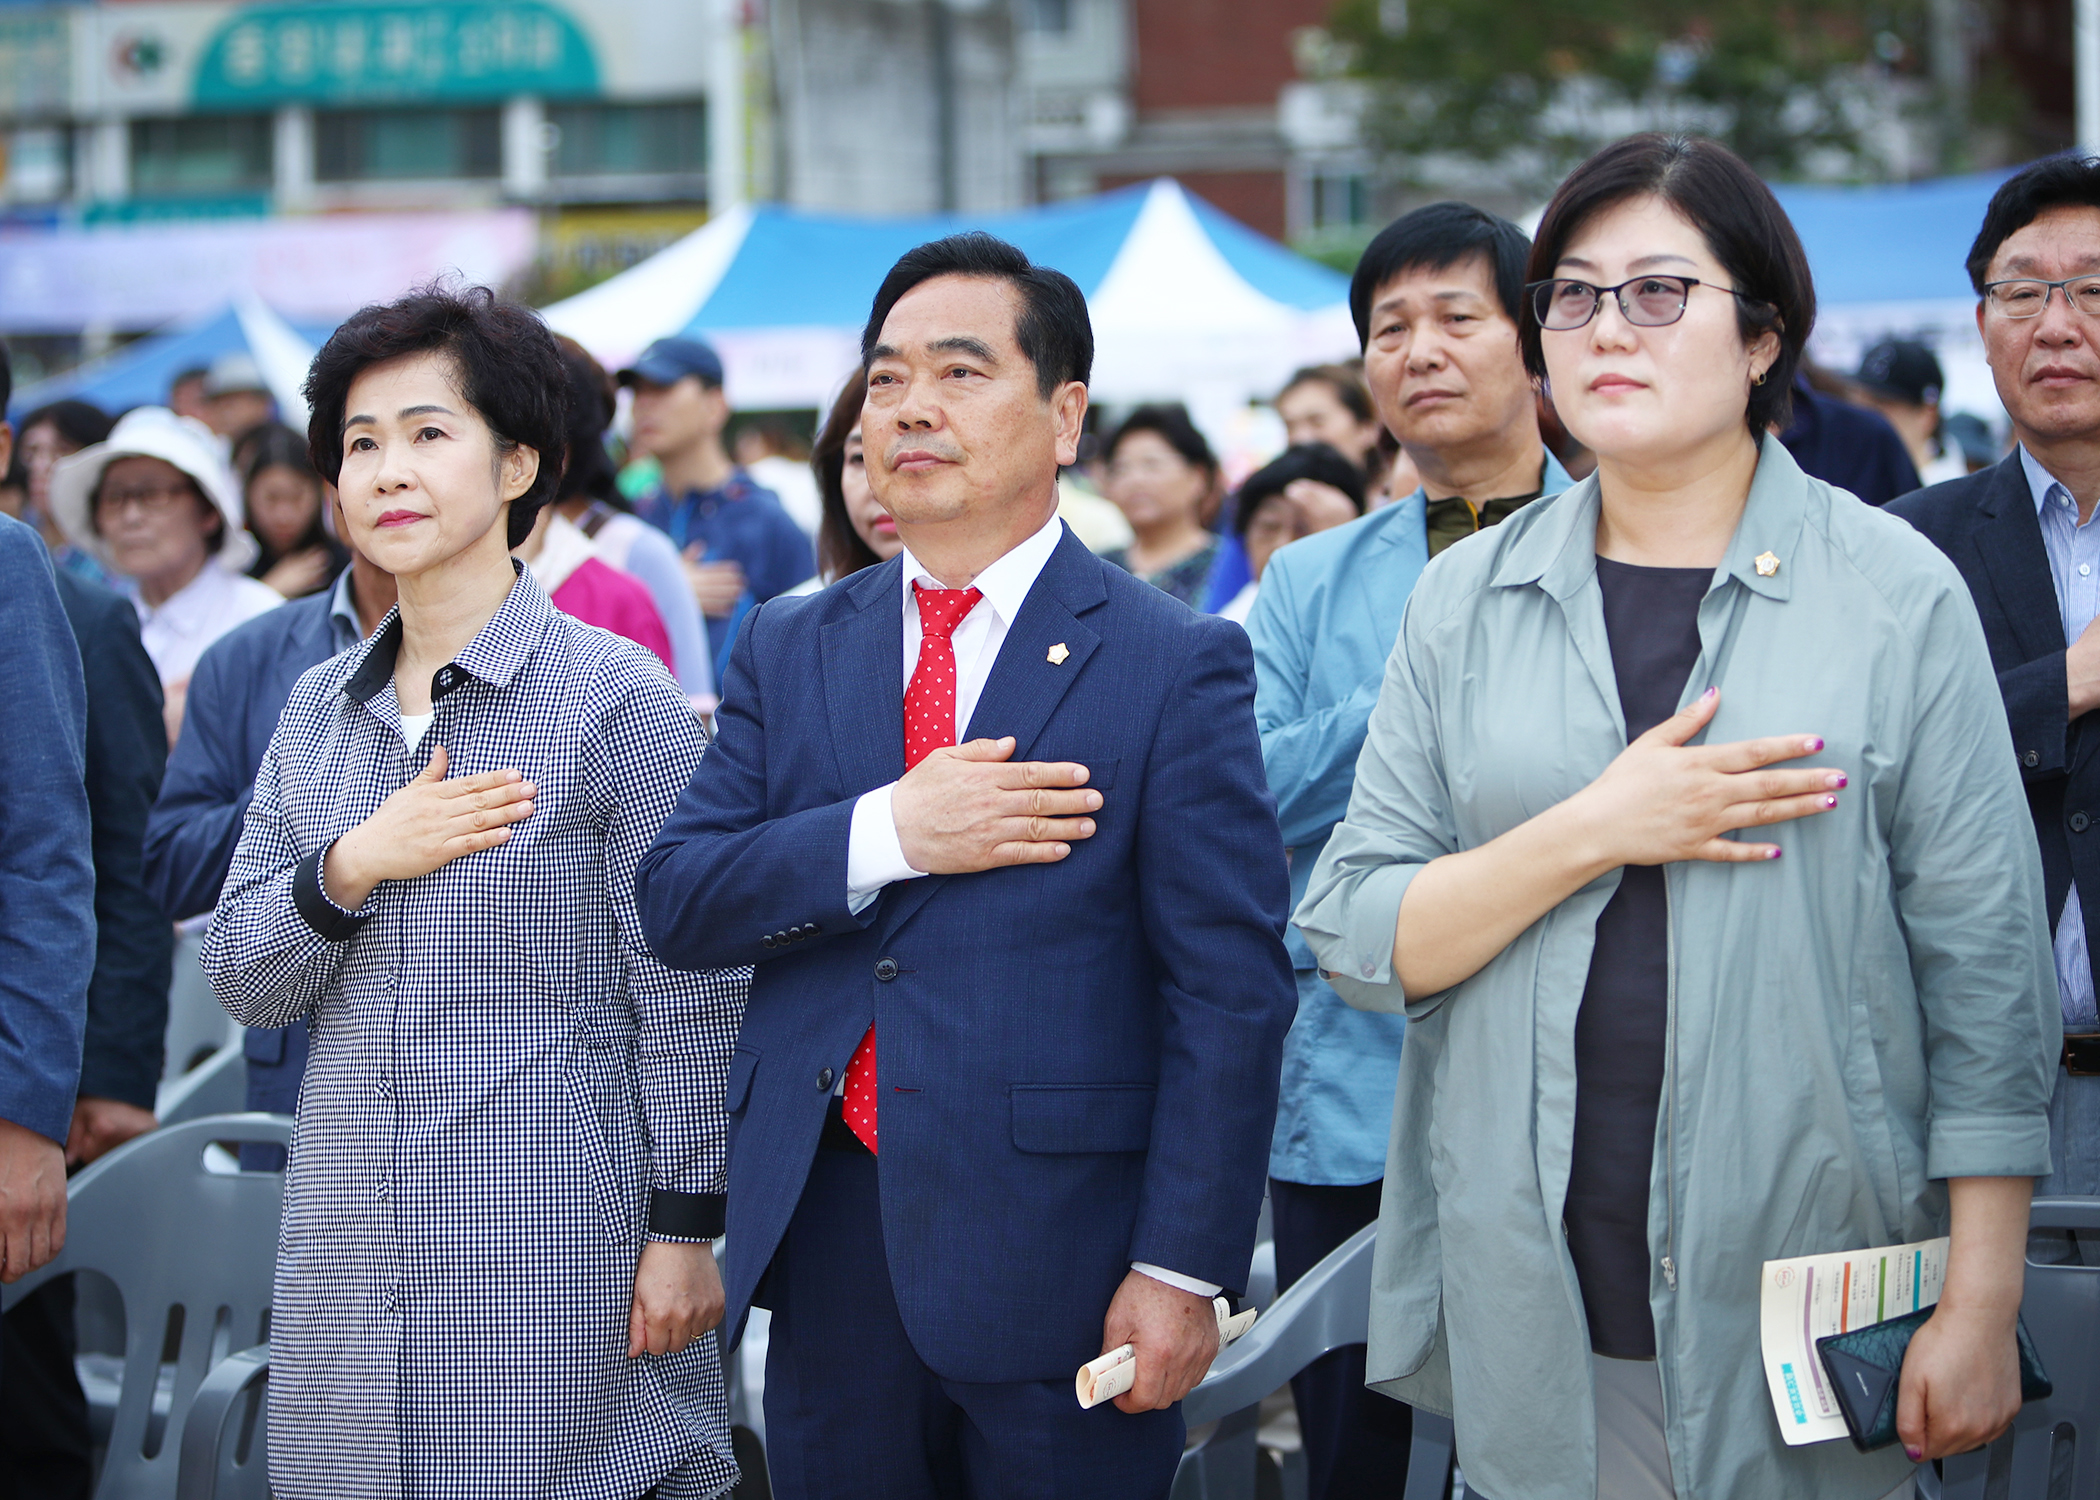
column 874, row 855
column 177, row 630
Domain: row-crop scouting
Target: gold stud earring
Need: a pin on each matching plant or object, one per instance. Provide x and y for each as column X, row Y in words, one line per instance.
column 1761, row 378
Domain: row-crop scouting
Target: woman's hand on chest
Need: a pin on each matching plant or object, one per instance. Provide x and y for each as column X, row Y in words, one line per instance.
column 424, row 826
column 1662, row 800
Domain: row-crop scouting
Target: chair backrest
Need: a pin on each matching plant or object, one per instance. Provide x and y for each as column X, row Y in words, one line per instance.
column 1326, row 1308
column 197, row 1024
column 217, row 1087
column 2054, row 1452
column 192, row 1250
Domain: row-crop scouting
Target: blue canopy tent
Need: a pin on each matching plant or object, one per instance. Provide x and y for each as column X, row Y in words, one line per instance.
column 1888, row 263
column 1186, row 302
column 140, row 373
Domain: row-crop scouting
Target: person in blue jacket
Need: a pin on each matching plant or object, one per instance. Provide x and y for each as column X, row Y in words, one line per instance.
column 1436, row 302
column 236, row 693
column 47, row 901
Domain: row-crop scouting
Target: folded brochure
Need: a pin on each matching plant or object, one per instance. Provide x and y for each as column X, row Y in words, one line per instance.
column 1817, row 1295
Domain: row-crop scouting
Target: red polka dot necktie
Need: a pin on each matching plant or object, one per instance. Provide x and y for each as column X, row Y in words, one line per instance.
column 929, row 723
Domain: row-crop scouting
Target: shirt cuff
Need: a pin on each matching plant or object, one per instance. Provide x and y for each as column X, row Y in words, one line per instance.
column 686, row 1216
column 874, row 855
column 312, row 900
column 1176, row 1280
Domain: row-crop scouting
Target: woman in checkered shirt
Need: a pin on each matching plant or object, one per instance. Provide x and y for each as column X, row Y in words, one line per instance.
column 493, row 1276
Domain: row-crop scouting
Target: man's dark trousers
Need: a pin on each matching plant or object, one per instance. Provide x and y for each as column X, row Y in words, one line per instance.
column 859, row 1416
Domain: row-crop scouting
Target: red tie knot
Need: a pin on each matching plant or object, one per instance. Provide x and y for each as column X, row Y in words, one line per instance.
column 941, row 610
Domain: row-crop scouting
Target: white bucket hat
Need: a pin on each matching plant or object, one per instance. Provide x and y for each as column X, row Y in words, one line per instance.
column 151, row 432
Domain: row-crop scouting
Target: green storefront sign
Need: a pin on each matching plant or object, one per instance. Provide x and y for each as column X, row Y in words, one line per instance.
column 342, row 53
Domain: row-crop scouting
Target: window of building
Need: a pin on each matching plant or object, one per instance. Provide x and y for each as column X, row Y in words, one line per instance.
column 366, row 145
column 1052, row 16
column 38, row 166
column 1340, row 200
column 604, row 140
column 201, row 154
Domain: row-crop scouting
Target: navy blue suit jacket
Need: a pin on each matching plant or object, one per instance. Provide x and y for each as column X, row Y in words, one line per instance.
column 1078, row 1061
column 1986, row 523
column 236, row 694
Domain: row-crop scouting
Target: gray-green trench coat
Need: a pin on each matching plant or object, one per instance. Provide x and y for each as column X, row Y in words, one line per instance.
column 1849, row 1024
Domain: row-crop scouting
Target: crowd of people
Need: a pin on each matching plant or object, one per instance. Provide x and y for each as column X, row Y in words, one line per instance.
column 1563, row 808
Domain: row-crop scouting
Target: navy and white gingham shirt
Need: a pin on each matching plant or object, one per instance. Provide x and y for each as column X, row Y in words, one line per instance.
column 506, row 1092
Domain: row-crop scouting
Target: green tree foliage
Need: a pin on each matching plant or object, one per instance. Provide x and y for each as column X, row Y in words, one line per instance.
column 1534, row 85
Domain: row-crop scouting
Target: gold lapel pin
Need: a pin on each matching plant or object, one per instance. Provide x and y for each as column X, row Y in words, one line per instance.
column 1058, row 653
column 1767, row 564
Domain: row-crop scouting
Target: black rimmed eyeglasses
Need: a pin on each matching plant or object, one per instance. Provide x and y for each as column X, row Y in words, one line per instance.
column 1645, row 301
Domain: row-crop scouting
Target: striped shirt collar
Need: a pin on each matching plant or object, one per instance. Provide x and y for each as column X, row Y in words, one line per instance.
column 2039, row 480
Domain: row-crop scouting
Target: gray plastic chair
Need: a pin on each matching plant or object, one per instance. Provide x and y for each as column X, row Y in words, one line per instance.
column 2054, row 1447
column 193, row 1254
column 197, row 1024
column 1326, row 1309
column 216, row 1087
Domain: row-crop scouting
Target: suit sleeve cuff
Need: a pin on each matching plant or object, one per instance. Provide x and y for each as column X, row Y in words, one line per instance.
column 322, row 914
column 686, row 1216
column 1176, row 1280
column 874, row 854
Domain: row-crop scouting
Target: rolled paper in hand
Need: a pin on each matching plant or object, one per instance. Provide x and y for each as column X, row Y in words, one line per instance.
column 1115, row 1372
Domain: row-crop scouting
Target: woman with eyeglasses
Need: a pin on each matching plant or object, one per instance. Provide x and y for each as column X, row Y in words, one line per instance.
column 155, row 507
column 1689, row 836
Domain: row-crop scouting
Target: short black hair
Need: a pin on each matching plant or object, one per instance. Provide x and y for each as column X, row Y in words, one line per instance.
column 1346, row 381
column 1433, row 238
column 2071, row 180
column 1320, row 461
column 1169, row 420
column 507, row 363
column 1053, row 329
column 588, row 469
column 80, row 423
column 1743, row 224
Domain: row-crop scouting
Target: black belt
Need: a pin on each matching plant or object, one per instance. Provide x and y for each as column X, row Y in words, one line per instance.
column 839, row 1136
column 2082, row 1055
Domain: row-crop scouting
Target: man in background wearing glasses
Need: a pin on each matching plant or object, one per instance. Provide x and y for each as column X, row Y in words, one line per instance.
column 2024, row 536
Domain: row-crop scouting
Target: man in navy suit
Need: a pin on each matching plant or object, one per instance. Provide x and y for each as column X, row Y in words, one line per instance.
column 1062, row 937
column 2026, row 539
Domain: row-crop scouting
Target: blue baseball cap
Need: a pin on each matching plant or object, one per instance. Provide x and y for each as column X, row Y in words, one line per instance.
column 667, row 361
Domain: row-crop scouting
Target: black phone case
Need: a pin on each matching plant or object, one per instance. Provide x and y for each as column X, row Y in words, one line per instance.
column 1865, row 1366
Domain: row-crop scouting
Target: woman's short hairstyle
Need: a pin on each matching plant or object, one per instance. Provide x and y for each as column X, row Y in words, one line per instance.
column 1300, row 461
column 1744, row 226
column 1345, row 381
column 840, row 550
column 506, row 362
column 2068, row 181
column 1170, row 422
column 79, row 422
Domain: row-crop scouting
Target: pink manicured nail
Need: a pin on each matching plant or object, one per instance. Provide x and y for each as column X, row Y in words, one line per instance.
column 1710, row 692
column 1773, row 853
column 1830, row 802
column 1813, row 745
column 1915, row 1455
column 1838, row 780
